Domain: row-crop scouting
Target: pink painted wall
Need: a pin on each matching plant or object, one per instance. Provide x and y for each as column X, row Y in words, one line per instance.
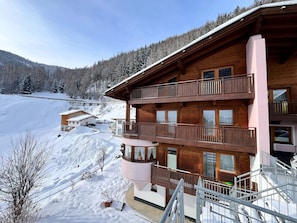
column 258, row 111
column 138, row 173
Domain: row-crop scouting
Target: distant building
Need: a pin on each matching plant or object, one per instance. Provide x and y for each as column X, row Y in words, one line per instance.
column 73, row 118
column 117, row 126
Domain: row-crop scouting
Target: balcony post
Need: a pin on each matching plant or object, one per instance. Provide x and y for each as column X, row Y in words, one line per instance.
column 127, row 111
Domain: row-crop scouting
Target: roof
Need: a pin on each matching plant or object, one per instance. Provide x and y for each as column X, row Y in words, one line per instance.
column 71, row 112
column 80, row 118
column 270, row 20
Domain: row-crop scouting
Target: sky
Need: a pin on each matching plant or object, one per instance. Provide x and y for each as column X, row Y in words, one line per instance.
column 79, row 33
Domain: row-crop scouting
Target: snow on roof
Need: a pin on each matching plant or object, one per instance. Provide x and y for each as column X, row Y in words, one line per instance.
column 213, row 31
column 80, row 117
column 70, row 112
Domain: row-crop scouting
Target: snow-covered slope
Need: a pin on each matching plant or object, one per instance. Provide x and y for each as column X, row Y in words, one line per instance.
column 74, row 188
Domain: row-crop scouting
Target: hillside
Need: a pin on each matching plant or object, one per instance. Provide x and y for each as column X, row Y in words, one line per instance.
column 73, row 190
column 18, row 75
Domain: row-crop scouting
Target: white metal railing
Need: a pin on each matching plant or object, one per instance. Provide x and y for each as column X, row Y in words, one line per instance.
column 244, row 202
column 174, row 211
column 265, row 195
column 213, row 206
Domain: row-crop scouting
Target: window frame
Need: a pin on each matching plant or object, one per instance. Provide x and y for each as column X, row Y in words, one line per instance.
column 290, row 134
column 216, row 72
column 226, row 169
column 217, row 116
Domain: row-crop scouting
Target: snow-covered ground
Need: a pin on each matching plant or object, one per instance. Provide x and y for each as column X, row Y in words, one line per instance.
column 65, row 196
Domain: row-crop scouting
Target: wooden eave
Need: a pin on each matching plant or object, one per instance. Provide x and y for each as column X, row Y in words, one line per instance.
column 279, row 30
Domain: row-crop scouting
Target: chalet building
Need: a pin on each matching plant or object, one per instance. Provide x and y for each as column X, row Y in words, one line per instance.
column 212, row 108
column 73, row 118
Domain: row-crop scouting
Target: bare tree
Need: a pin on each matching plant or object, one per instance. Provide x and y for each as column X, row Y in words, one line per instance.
column 20, row 174
column 101, row 156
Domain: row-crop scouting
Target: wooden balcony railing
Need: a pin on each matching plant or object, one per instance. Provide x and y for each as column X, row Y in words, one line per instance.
column 237, row 87
column 283, row 108
column 188, row 134
column 169, row 178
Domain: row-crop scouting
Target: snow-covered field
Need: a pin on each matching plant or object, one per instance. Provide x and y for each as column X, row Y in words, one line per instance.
column 64, row 195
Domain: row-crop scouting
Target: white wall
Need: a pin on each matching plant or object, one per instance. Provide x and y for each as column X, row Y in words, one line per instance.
column 157, row 198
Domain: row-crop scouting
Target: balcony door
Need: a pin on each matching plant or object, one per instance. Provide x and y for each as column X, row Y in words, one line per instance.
column 279, row 99
column 209, row 164
column 171, row 158
column 166, row 123
column 172, row 164
column 209, row 119
column 212, row 80
column 213, row 121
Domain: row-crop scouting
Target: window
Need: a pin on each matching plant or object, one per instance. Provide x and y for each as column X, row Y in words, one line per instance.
column 280, row 95
column 208, row 74
column 281, row 134
column 225, row 72
column 216, row 118
column 209, row 164
column 216, row 73
column 128, row 150
column 151, row 153
column 227, row 162
column 209, row 122
column 160, row 116
column 226, row 117
column 139, row 153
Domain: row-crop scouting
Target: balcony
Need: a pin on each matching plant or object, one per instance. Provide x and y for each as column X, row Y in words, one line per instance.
column 237, row 87
column 223, row 138
column 169, row 178
column 283, row 110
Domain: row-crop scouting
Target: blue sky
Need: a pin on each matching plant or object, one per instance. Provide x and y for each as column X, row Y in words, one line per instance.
column 78, row 33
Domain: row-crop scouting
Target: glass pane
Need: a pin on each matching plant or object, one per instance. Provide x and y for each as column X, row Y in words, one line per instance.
column 225, row 72
column 139, row 153
column 227, row 162
column 172, row 116
column 280, row 95
column 209, row 122
column 128, row 152
column 152, row 153
column 160, row 116
column 171, row 158
column 209, row 164
column 208, row 74
column 226, row 117
column 282, row 134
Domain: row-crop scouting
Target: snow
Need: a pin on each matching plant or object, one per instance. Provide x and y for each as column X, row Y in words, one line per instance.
column 75, row 187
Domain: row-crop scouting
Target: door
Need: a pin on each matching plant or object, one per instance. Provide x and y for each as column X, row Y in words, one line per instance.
column 172, row 164
column 209, row 164
column 209, row 122
column 171, row 158
column 166, row 123
column 172, row 120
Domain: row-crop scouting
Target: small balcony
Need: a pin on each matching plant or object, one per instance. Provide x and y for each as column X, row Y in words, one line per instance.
column 223, row 138
column 237, row 87
column 169, row 178
column 283, row 110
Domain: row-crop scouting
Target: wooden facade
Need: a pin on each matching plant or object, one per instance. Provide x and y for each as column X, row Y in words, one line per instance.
column 67, row 115
column 197, row 103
